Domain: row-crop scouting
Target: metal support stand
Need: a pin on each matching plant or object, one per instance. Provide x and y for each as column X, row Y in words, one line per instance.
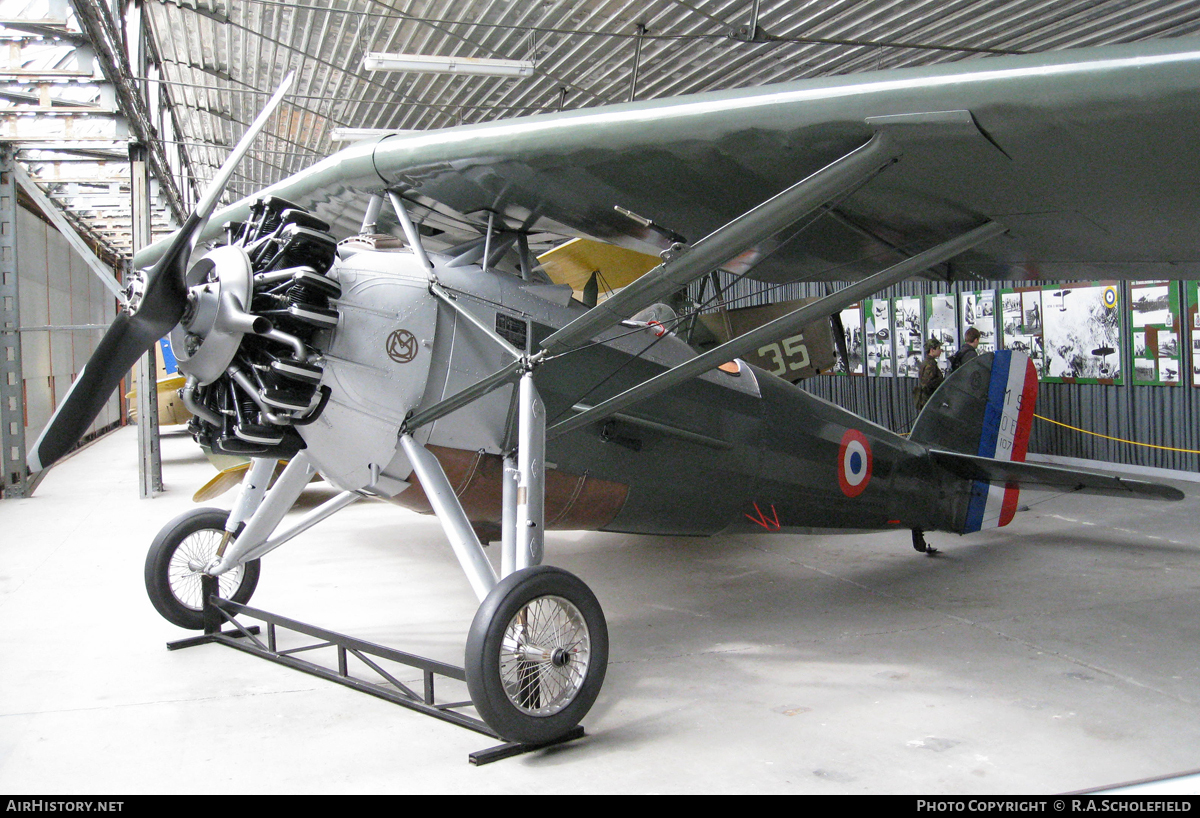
column 219, row 611
column 210, row 588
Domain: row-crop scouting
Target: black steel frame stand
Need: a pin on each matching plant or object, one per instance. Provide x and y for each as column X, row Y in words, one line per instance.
column 218, row 611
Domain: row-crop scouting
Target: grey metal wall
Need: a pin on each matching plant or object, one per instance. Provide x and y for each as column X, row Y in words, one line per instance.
column 56, row 289
column 1158, row 415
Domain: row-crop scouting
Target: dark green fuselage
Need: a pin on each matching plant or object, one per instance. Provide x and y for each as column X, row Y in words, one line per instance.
column 756, row 463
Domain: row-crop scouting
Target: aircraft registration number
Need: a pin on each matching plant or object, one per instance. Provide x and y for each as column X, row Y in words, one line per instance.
column 786, row 355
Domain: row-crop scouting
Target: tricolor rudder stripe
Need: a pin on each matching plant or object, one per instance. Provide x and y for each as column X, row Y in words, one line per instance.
column 1007, row 420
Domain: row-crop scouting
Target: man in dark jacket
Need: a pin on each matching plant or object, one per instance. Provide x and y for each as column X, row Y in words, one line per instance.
column 930, row 377
column 969, row 349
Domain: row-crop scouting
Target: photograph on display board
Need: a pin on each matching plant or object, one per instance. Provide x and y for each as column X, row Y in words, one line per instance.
column 877, row 328
column 977, row 308
column 910, row 341
column 1081, row 333
column 1168, row 358
column 1192, row 327
column 1195, row 357
column 1152, row 304
column 1168, row 344
column 852, row 327
column 1021, row 324
column 1154, row 316
column 1145, row 368
column 942, row 324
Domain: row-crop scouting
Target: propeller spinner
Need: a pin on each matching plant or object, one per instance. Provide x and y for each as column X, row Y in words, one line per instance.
column 164, row 298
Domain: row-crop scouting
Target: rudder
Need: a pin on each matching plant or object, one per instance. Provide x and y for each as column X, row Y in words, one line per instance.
column 984, row 409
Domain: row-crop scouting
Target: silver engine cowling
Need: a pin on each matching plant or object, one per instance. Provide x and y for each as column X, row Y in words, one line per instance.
column 377, row 366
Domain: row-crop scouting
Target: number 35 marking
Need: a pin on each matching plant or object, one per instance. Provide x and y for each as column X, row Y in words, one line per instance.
column 792, row 347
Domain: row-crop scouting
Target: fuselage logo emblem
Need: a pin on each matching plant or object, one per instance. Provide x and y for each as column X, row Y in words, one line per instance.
column 402, row 346
column 854, row 463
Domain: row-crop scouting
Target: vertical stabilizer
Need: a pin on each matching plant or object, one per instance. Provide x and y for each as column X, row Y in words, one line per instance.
column 984, row 409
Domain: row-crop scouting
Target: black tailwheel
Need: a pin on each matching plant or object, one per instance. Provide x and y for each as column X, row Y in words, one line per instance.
column 536, row 654
column 175, row 563
column 918, row 541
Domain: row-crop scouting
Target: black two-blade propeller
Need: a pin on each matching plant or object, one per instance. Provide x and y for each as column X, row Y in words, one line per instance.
column 160, row 308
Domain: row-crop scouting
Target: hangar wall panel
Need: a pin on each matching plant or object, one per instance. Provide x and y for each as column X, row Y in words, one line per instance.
column 57, row 288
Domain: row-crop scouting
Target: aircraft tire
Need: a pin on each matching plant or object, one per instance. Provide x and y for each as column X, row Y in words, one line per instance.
column 173, row 588
column 565, row 625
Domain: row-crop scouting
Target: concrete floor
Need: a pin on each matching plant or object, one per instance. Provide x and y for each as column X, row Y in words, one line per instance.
column 1057, row 654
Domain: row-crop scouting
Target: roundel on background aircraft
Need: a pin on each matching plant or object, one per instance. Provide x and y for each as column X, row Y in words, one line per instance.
column 854, row 463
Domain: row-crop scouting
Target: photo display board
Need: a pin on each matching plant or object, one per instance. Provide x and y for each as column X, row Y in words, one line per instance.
column 1071, row 332
column 942, row 323
column 977, row 308
column 1155, row 324
column 910, row 340
column 1021, row 324
column 877, row 334
column 1081, row 333
column 1192, row 333
column 852, row 326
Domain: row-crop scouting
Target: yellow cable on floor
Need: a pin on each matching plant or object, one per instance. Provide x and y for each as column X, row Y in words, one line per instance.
column 1117, row 439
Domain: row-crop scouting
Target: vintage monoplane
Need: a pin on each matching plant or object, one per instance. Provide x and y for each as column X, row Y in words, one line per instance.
column 381, row 319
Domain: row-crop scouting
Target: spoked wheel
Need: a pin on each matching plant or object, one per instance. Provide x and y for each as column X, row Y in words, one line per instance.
column 536, row 654
column 175, row 562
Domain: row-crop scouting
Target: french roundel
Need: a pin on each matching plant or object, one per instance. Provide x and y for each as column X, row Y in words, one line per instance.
column 854, row 463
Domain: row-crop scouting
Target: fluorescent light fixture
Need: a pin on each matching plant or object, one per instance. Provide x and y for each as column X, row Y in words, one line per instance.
column 378, row 61
column 355, row 134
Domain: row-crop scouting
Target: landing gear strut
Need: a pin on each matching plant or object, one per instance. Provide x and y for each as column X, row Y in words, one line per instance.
column 538, row 647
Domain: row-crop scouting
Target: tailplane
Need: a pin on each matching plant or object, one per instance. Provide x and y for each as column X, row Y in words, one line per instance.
column 976, row 427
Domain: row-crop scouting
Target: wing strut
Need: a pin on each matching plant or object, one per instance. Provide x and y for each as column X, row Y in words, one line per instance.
column 780, row 327
column 753, row 226
column 410, row 232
